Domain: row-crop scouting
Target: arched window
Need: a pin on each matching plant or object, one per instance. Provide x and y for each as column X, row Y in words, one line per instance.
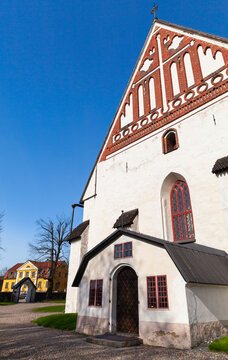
column 170, row 141
column 175, row 80
column 182, row 219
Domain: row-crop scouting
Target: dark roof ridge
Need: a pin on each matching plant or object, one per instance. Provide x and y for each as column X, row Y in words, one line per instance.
column 220, row 165
column 183, row 264
column 201, row 248
column 126, row 218
column 22, row 281
column 191, row 31
column 77, row 232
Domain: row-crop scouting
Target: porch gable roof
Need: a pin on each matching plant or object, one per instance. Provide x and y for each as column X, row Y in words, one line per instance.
column 20, row 283
column 196, row 263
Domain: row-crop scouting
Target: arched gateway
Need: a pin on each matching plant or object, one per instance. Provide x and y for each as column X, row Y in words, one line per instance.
column 127, row 318
column 31, row 292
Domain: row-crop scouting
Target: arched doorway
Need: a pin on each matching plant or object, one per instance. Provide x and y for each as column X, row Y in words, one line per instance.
column 127, row 318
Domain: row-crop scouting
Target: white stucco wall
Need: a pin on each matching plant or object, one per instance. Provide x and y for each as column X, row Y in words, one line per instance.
column 72, row 292
column 134, row 178
column 223, row 187
column 207, row 303
column 147, row 260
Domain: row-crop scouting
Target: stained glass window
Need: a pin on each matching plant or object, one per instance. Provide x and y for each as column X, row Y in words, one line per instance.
column 183, row 227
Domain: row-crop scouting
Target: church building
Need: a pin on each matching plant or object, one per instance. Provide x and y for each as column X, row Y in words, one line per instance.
column 150, row 257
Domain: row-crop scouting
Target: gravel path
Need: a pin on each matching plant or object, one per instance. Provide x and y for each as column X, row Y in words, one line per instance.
column 21, row 313
column 22, row 340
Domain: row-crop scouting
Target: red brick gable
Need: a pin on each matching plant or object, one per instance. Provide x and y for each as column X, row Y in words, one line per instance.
column 167, row 45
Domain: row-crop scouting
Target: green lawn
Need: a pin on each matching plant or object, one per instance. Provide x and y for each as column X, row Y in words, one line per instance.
column 58, row 321
column 55, row 308
column 6, row 303
column 219, row 345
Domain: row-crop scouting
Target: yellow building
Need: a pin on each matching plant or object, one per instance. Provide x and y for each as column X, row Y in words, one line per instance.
column 38, row 272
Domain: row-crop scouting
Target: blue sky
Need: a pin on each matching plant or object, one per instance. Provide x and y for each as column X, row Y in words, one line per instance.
column 64, row 66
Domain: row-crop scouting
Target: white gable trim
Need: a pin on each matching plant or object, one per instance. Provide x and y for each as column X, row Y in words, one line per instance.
column 222, row 42
column 23, row 267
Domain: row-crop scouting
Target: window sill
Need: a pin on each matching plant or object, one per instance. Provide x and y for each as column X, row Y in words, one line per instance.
column 185, row 241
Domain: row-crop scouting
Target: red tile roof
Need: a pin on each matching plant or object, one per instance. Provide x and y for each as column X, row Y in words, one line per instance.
column 12, row 270
column 42, row 266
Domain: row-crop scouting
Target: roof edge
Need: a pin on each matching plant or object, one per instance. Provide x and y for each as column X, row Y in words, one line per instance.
column 155, row 22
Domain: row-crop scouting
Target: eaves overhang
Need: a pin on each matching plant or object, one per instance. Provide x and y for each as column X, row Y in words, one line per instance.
column 196, row 263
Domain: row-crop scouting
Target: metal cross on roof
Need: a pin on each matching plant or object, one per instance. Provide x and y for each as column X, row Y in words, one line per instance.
column 153, row 11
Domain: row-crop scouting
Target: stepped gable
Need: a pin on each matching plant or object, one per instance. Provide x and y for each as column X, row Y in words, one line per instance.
column 178, row 70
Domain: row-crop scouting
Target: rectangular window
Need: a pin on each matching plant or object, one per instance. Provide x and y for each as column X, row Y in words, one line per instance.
column 57, row 286
column 12, row 285
column 20, row 274
column 157, row 295
column 33, row 274
column 151, row 292
column 27, row 274
column 95, row 293
column 127, row 249
column 123, row 250
column 118, row 251
column 6, row 286
column 39, row 285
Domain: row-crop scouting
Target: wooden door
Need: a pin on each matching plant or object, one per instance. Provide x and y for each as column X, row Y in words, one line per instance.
column 127, row 301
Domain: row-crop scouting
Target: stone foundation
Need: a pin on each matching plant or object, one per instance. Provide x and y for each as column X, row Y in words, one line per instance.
column 91, row 325
column 165, row 334
column 207, row 331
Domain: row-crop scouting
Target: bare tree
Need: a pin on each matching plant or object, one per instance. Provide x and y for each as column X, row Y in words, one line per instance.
column 3, row 271
column 50, row 245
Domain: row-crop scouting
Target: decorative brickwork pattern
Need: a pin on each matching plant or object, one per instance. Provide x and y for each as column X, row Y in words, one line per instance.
column 184, row 72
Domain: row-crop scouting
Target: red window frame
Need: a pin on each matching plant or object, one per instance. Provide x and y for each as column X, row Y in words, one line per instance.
column 186, row 213
column 96, row 299
column 122, row 250
column 157, row 292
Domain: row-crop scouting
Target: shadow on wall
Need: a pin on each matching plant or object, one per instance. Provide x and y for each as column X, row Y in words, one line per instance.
column 208, row 311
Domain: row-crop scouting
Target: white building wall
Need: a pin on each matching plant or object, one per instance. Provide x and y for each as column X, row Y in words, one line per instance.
column 72, row 292
column 207, row 303
column 147, row 260
column 133, row 179
column 223, row 187
column 208, row 311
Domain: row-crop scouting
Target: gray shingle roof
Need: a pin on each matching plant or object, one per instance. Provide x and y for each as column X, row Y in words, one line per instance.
column 196, row 263
column 220, row 165
column 77, row 232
